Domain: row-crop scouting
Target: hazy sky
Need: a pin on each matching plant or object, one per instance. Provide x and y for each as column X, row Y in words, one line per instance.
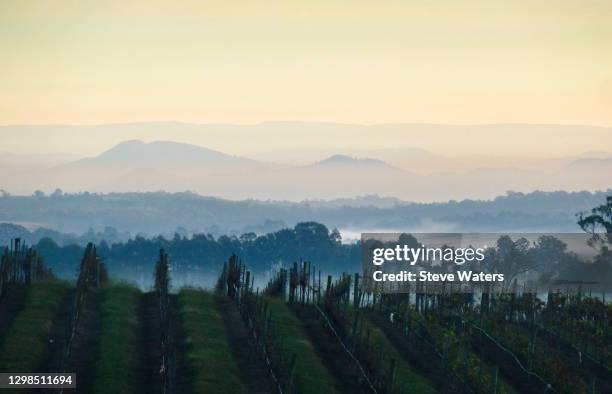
column 91, row 61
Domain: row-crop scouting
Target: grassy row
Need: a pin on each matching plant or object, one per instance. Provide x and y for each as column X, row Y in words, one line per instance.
column 208, row 351
column 118, row 358
column 405, row 375
column 310, row 375
column 24, row 346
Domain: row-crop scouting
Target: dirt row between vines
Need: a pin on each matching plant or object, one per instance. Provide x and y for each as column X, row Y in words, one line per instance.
column 329, row 349
column 84, row 349
column 253, row 371
column 148, row 345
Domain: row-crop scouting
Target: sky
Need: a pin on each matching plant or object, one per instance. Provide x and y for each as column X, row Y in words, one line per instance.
column 362, row 62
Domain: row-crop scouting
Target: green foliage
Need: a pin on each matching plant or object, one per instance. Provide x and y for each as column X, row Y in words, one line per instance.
column 527, row 327
column 117, row 361
column 24, row 346
column 213, row 368
column 458, row 355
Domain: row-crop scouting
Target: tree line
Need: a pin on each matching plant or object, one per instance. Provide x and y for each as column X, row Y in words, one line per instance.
column 310, row 241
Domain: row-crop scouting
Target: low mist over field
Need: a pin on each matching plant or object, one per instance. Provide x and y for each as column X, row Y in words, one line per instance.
column 86, row 217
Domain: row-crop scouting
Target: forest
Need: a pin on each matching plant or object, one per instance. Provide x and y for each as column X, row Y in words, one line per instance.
column 306, row 241
column 93, row 217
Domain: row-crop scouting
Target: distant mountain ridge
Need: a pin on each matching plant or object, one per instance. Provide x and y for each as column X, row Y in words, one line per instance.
column 345, row 160
column 401, row 172
column 158, row 154
column 594, row 163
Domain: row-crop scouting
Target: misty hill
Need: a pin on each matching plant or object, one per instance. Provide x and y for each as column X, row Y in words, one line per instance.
column 592, row 163
column 136, row 166
column 344, row 161
column 160, row 165
column 121, row 215
column 307, row 161
column 159, row 154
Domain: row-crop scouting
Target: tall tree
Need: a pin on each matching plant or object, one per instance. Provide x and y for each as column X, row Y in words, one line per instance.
column 598, row 223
